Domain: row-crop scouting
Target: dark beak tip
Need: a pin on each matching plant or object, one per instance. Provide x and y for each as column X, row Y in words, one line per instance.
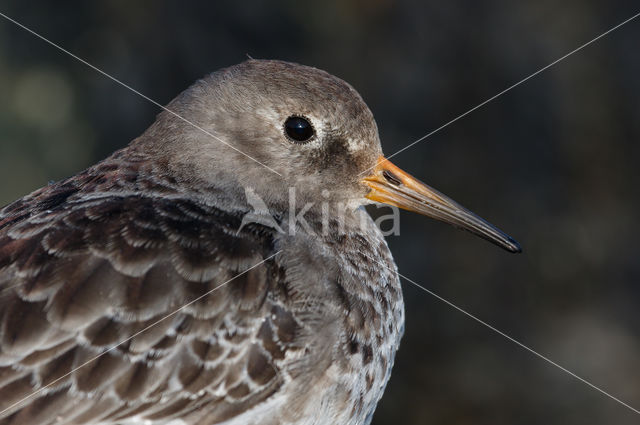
column 514, row 247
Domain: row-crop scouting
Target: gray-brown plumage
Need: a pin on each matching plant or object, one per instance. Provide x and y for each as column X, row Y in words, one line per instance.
column 300, row 327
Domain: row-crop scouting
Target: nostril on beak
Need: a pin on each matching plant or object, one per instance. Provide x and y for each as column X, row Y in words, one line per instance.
column 391, row 178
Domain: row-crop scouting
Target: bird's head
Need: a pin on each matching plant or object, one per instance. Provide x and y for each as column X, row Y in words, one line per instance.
column 275, row 127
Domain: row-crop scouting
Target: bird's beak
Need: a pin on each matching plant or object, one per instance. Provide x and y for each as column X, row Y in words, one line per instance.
column 390, row 185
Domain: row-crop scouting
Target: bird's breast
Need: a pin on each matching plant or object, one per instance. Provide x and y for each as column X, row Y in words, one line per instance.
column 347, row 282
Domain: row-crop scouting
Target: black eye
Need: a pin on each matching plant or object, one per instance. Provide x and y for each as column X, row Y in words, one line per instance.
column 298, row 129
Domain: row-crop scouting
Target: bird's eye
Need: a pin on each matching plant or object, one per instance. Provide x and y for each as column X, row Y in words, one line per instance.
column 298, row 129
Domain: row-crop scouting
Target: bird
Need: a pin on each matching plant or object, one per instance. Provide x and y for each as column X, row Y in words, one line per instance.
column 175, row 282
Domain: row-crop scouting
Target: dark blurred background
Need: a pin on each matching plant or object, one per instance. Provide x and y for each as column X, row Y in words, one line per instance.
column 554, row 162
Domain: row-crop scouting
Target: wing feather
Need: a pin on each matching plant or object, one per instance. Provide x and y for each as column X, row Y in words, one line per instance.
column 93, row 318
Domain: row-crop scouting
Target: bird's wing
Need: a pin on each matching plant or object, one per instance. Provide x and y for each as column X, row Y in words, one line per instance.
column 114, row 307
